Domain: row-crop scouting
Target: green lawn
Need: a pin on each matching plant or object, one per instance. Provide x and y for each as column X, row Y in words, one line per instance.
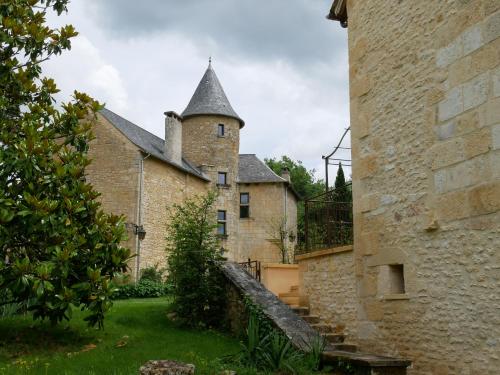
column 135, row 332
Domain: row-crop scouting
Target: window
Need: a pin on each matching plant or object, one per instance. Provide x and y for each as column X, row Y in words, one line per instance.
column 221, row 223
column 221, row 178
column 244, row 205
column 220, row 130
column 396, row 279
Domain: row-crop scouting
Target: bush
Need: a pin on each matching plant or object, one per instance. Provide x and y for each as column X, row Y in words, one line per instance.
column 193, row 263
column 143, row 289
column 153, row 274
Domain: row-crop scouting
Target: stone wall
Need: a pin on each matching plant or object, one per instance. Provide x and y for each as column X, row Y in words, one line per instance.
column 116, row 178
column 259, row 232
column 327, row 285
column 163, row 186
column 425, row 115
column 203, row 147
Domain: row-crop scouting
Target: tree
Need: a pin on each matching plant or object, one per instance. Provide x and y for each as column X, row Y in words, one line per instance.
column 283, row 236
column 342, row 191
column 303, row 181
column 193, row 257
column 57, row 247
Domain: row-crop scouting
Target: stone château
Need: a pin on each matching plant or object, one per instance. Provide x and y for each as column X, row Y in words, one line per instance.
column 139, row 175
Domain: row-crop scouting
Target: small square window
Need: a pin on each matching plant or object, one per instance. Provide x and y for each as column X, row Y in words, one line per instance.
column 244, row 205
column 220, row 130
column 221, row 215
column 396, row 279
column 221, row 223
column 222, row 178
column 244, row 198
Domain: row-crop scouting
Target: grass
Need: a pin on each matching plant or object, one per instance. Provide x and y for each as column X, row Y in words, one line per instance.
column 135, row 331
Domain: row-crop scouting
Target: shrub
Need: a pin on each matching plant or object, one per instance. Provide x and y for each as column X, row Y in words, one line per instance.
column 143, row 289
column 153, row 273
column 193, row 263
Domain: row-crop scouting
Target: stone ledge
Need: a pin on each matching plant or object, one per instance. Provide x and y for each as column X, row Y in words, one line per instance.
column 321, row 253
column 279, row 265
column 363, row 359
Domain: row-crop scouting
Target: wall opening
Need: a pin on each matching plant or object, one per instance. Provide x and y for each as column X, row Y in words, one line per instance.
column 396, row 279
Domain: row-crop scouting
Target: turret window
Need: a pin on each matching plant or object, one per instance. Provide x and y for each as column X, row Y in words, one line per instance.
column 221, row 223
column 222, row 178
column 221, row 132
column 244, row 205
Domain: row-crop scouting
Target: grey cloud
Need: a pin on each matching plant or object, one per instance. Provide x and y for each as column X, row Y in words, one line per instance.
column 294, row 30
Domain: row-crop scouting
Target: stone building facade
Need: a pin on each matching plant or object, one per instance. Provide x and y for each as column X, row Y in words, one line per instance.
column 139, row 175
column 425, row 119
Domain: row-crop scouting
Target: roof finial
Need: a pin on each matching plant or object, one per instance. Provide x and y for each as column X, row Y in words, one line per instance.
column 210, row 61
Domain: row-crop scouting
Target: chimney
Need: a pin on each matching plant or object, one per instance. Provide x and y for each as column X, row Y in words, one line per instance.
column 285, row 174
column 173, row 137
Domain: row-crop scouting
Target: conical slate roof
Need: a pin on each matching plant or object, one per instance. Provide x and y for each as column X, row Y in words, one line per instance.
column 210, row 99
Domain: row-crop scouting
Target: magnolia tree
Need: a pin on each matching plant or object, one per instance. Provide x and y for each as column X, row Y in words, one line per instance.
column 57, row 248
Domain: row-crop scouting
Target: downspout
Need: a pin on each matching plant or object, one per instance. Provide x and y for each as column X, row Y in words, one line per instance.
column 139, row 217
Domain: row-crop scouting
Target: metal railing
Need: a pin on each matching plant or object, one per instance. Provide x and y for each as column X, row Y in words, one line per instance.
column 252, row 267
column 328, row 221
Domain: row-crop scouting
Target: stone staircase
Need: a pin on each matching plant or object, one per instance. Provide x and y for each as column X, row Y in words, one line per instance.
column 302, row 328
column 334, row 336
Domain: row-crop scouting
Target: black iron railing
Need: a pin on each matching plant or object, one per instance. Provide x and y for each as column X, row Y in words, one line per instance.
column 252, row 267
column 328, row 221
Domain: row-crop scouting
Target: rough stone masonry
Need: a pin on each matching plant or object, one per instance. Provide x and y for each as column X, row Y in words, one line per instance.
column 425, row 118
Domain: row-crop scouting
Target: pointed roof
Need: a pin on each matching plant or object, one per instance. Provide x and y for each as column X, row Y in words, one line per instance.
column 210, row 99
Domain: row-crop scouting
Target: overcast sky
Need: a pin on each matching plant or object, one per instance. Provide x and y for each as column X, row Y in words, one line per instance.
column 283, row 66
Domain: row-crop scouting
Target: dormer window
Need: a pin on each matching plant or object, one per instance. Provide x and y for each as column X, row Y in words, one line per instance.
column 221, row 131
column 222, row 178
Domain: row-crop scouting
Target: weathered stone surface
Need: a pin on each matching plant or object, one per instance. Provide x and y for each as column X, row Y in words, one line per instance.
column 166, row 367
column 434, row 98
column 294, row 327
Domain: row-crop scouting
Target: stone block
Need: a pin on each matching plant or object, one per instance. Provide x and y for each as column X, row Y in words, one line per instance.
column 366, row 167
column 446, row 153
column 359, row 49
column 463, row 174
column 374, row 310
column 485, row 198
column 491, row 112
column 166, row 368
column 447, row 55
column 452, row 206
column 445, row 131
column 492, row 27
column 475, row 91
column 369, row 243
column 477, row 143
column 360, row 86
column 495, row 131
column 495, row 77
column 472, row 39
column 452, row 105
column 369, row 202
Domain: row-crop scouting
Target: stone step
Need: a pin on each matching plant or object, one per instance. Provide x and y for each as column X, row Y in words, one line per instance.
column 311, row 319
column 300, row 310
column 352, row 348
column 375, row 363
column 290, row 300
column 322, row 328
column 334, row 338
column 288, row 294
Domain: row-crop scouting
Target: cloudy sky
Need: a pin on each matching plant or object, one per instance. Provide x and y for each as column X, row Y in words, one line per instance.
column 282, row 64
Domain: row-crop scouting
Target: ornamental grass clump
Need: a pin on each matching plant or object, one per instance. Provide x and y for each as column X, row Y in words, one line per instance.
column 193, row 253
